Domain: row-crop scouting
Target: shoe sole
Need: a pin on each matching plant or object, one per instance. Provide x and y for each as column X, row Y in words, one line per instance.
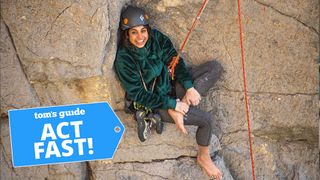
column 142, row 127
column 158, row 123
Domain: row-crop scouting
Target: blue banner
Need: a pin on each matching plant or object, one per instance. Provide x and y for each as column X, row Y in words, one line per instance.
column 59, row 134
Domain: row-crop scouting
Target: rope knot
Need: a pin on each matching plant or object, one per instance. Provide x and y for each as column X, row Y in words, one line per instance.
column 172, row 65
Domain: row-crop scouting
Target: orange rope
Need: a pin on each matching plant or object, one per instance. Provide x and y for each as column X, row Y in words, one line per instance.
column 245, row 90
column 175, row 60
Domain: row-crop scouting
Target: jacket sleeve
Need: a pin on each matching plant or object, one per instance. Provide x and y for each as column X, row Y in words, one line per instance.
column 131, row 82
column 181, row 72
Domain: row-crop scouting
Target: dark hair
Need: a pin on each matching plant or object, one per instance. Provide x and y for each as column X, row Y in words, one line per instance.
column 124, row 36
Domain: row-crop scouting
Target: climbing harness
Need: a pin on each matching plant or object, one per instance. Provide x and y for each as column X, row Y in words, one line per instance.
column 132, row 106
column 175, row 59
column 145, row 117
column 245, row 89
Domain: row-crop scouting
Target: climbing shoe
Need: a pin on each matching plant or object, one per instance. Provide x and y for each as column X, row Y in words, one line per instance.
column 143, row 125
column 156, row 121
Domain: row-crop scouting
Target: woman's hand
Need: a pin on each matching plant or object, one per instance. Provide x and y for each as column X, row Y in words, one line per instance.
column 182, row 107
column 192, row 97
column 178, row 120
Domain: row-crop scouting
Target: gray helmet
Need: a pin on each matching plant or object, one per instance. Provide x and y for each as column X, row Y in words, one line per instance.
column 133, row 16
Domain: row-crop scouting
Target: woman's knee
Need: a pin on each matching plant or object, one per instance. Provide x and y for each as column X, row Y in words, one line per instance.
column 207, row 120
column 215, row 66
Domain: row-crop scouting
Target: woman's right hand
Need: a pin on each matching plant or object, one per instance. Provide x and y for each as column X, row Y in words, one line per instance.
column 182, row 107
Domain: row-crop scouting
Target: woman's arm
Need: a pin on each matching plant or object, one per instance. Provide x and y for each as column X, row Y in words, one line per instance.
column 192, row 97
column 168, row 51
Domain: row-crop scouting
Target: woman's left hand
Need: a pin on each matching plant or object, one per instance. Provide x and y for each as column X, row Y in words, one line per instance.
column 192, row 97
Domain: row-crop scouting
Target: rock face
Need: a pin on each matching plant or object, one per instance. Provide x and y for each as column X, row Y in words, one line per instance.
column 62, row 52
column 16, row 91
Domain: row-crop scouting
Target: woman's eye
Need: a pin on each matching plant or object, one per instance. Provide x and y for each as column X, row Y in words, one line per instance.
column 133, row 32
column 143, row 31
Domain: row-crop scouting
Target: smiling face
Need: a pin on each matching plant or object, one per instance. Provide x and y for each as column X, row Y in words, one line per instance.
column 138, row 36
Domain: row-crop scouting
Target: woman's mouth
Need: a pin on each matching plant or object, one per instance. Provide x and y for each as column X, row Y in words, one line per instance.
column 140, row 42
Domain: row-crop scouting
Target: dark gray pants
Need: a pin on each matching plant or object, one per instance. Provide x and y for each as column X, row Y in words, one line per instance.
column 204, row 77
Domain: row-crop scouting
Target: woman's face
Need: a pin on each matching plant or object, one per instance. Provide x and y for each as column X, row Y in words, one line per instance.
column 138, row 36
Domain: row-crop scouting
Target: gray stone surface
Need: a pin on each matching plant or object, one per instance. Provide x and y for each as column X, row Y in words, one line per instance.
column 296, row 10
column 281, row 52
column 92, row 89
column 15, row 90
column 181, row 168
column 275, row 113
column 61, row 39
column 274, row 158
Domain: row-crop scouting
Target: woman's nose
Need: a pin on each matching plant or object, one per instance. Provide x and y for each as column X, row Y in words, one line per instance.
column 139, row 36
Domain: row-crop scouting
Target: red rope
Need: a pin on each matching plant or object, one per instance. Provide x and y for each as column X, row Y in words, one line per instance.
column 175, row 59
column 245, row 90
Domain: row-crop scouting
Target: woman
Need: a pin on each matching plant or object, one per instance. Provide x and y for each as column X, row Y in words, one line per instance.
column 142, row 67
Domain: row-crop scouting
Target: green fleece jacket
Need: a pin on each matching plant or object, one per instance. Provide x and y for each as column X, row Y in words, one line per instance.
column 153, row 60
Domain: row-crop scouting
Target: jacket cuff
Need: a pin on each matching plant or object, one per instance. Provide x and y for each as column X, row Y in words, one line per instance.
column 171, row 103
column 187, row 84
